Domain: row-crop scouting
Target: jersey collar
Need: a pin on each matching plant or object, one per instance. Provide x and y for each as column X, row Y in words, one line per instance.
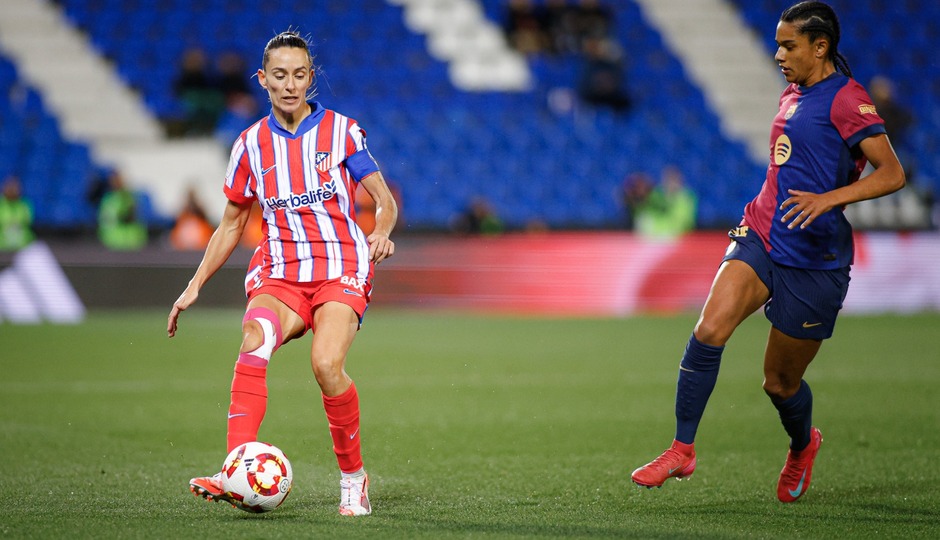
column 308, row 123
column 829, row 78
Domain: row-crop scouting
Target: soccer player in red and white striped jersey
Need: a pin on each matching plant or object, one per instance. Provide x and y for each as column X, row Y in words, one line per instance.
column 313, row 269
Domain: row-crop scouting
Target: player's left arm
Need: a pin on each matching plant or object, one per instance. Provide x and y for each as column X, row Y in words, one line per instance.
column 888, row 177
column 381, row 246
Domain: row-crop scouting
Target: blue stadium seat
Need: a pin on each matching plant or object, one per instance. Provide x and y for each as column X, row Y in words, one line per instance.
column 53, row 173
column 443, row 145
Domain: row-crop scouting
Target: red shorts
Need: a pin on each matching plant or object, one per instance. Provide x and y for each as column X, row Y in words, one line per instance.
column 304, row 298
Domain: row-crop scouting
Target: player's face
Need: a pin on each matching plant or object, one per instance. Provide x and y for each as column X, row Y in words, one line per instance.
column 287, row 77
column 800, row 61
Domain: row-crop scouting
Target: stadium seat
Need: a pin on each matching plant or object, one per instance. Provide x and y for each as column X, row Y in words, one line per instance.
column 425, row 131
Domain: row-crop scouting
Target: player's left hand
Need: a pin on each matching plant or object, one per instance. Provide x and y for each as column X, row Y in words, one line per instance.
column 805, row 207
column 380, row 247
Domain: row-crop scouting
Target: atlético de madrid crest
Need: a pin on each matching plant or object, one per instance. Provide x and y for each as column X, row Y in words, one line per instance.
column 323, row 161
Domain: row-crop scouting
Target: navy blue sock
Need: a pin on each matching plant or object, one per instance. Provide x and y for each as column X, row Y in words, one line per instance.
column 698, row 373
column 796, row 415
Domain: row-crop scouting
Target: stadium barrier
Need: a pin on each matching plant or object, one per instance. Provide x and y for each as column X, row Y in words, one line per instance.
column 552, row 274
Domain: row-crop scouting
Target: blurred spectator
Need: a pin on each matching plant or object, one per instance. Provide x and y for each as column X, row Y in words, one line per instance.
column 98, row 187
column 192, row 230
column 593, row 19
column 603, row 77
column 919, row 195
column 525, row 27
column 669, row 209
column 233, row 75
column 569, row 24
column 478, row 218
column 119, row 227
column 199, row 93
column 897, row 118
column 16, row 217
column 636, row 190
column 555, row 26
column 562, row 25
column 240, row 112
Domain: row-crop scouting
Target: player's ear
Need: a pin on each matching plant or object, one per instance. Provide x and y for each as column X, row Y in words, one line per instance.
column 311, row 77
column 262, row 80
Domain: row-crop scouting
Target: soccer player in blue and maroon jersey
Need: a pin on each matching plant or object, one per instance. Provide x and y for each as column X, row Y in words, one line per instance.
column 793, row 249
column 313, row 269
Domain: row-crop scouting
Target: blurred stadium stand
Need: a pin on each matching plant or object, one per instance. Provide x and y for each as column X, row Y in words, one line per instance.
column 443, row 146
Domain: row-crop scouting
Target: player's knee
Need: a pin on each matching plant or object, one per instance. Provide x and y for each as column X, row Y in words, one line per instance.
column 709, row 333
column 252, row 335
column 779, row 388
column 261, row 333
column 326, row 366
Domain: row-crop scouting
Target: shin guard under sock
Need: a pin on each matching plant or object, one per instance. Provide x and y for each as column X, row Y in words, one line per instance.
column 342, row 412
column 796, row 415
column 698, row 373
column 248, row 405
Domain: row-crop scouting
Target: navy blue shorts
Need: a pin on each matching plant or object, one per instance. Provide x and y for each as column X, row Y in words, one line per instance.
column 803, row 303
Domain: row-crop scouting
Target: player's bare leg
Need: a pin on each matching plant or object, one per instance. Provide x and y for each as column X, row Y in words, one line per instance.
column 335, row 327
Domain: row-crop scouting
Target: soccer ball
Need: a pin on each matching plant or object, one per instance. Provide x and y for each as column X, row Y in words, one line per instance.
column 257, row 476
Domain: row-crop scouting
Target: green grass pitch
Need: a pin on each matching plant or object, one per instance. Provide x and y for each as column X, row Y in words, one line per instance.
column 473, row 426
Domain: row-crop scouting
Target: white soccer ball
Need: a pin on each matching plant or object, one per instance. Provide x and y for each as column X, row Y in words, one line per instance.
column 257, row 476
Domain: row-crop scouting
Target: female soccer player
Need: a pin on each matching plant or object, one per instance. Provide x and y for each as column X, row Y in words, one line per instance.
column 793, row 249
column 313, row 269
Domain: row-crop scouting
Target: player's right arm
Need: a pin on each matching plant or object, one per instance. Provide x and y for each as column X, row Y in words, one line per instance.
column 221, row 245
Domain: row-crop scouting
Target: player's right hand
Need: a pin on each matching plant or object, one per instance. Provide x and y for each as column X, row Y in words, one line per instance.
column 184, row 301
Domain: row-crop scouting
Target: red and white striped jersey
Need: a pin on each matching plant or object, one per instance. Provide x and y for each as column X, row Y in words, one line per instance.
column 306, row 189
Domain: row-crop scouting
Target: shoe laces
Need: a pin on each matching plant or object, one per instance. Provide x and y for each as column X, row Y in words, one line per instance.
column 669, row 458
column 794, row 467
column 352, row 490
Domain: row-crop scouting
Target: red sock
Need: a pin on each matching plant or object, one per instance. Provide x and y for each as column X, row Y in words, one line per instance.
column 249, row 403
column 342, row 412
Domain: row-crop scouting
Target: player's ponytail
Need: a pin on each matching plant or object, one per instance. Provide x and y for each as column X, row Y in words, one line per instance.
column 817, row 19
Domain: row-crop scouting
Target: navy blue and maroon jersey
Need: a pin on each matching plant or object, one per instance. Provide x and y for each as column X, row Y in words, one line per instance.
column 814, row 147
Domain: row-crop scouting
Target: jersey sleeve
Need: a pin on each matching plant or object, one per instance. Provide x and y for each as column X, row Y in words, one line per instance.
column 854, row 115
column 359, row 162
column 238, row 174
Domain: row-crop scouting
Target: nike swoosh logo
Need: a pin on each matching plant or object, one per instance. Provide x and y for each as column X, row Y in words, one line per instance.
column 810, row 325
column 236, row 415
column 353, row 436
column 673, row 470
column 799, row 487
column 686, row 369
column 347, row 291
column 266, row 171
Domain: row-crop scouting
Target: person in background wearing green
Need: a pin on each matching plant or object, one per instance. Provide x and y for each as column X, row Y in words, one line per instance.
column 669, row 209
column 118, row 225
column 16, row 217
